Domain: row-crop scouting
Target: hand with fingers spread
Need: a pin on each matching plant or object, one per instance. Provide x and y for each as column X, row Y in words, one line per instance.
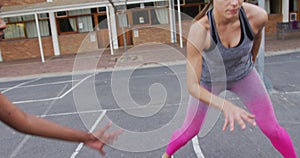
column 100, row 138
column 234, row 114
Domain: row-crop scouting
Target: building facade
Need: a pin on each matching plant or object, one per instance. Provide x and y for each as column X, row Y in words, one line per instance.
column 46, row 28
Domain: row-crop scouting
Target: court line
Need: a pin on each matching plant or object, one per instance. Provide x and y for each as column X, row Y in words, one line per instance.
column 76, row 85
column 110, row 110
column 79, row 147
column 20, row 146
column 197, row 148
column 18, row 85
column 43, row 84
column 74, row 113
column 51, row 83
column 26, row 138
column 292, row 92
column 54, row 98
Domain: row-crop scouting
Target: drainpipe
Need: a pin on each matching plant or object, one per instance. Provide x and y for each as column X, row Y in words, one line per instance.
column 172, row 21
column 1, row 56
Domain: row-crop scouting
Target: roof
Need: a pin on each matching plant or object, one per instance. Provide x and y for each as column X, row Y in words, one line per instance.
column 59, row 5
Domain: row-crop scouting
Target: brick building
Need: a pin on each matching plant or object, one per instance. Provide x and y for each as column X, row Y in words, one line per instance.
column 75, row 26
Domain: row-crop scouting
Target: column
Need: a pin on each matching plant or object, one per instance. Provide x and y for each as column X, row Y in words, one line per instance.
column 285, row 11
column 54, row 33
column 172, row 21
column 113, row 27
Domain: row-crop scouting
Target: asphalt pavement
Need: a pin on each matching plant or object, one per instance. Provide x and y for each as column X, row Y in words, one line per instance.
column 148, row 103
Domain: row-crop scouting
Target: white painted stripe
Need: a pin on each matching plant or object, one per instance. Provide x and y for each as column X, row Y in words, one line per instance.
column 48, row 109
column 197, row 148
column 76, row 85
column 49, row 83
column 35, row 100
column 14, row 87
column 54, row 98
column 293, row 92
column 20, row 146
column 109, row 110
column 74, row 113
column 79, row 147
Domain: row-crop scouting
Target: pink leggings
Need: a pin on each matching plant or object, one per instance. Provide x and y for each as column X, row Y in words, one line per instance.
column 252, row 92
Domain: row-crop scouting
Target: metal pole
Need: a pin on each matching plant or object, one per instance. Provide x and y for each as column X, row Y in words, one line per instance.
column 121, row 23
column 123, row 30
column 261, row 54
column 172, row 21
column 56, row 46
column 109, row 30
column 179, row 23
column 39, row 37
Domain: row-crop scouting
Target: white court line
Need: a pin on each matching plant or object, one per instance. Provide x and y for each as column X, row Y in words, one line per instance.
column 45, row 84
column 16, row 86
column 197, row 148
column 292, row 92
column 79, row 147
column 76, row 85
column 109, row 110
column 73, row 113
column 54, row 98
column 20, row 146
column 51, row 83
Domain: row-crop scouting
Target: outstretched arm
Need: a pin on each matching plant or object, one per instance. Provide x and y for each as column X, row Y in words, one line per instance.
column 30, row 124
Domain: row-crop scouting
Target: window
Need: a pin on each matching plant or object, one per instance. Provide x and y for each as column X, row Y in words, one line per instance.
column 61, row 14
column 44, row 16
column 190, row 9
column 75, row 21
column 153, row 14
column 25, row 27
column 14, row 31
column 293, row 5
column 67, row 25
column 102, row 22
column 101, row 9
column 182, row 2
column 275, row 6
column 140, row 17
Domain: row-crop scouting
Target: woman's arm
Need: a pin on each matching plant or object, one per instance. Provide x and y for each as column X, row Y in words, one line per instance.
column 258, row 18
column 30, row 124
column 197, row 41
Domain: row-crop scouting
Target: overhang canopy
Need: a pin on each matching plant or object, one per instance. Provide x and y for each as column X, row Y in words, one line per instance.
column 60, row 5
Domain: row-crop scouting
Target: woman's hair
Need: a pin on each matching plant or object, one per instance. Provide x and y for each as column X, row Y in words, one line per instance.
column 203, row 11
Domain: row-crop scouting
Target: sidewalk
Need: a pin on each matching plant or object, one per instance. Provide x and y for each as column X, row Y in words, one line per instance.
column 148, row 54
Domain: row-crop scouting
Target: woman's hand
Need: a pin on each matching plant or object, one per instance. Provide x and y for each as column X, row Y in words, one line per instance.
column 100, row 138
column 233, row 114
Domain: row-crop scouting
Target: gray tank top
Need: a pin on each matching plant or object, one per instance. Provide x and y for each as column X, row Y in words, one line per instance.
column 221, row 64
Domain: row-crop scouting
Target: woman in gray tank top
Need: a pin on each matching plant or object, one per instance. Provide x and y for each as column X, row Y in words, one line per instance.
column 221, row 51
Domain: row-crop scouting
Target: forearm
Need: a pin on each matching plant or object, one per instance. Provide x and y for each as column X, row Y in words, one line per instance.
column 199, row 92
column 29, row 124
column 44, row 128
column 256, row 46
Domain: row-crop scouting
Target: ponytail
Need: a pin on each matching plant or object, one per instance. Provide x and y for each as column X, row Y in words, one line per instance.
column 203, row 11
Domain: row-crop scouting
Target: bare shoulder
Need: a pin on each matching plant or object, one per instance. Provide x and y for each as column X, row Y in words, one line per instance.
column 199, row 31
column 202, row 24
column 257, row 16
